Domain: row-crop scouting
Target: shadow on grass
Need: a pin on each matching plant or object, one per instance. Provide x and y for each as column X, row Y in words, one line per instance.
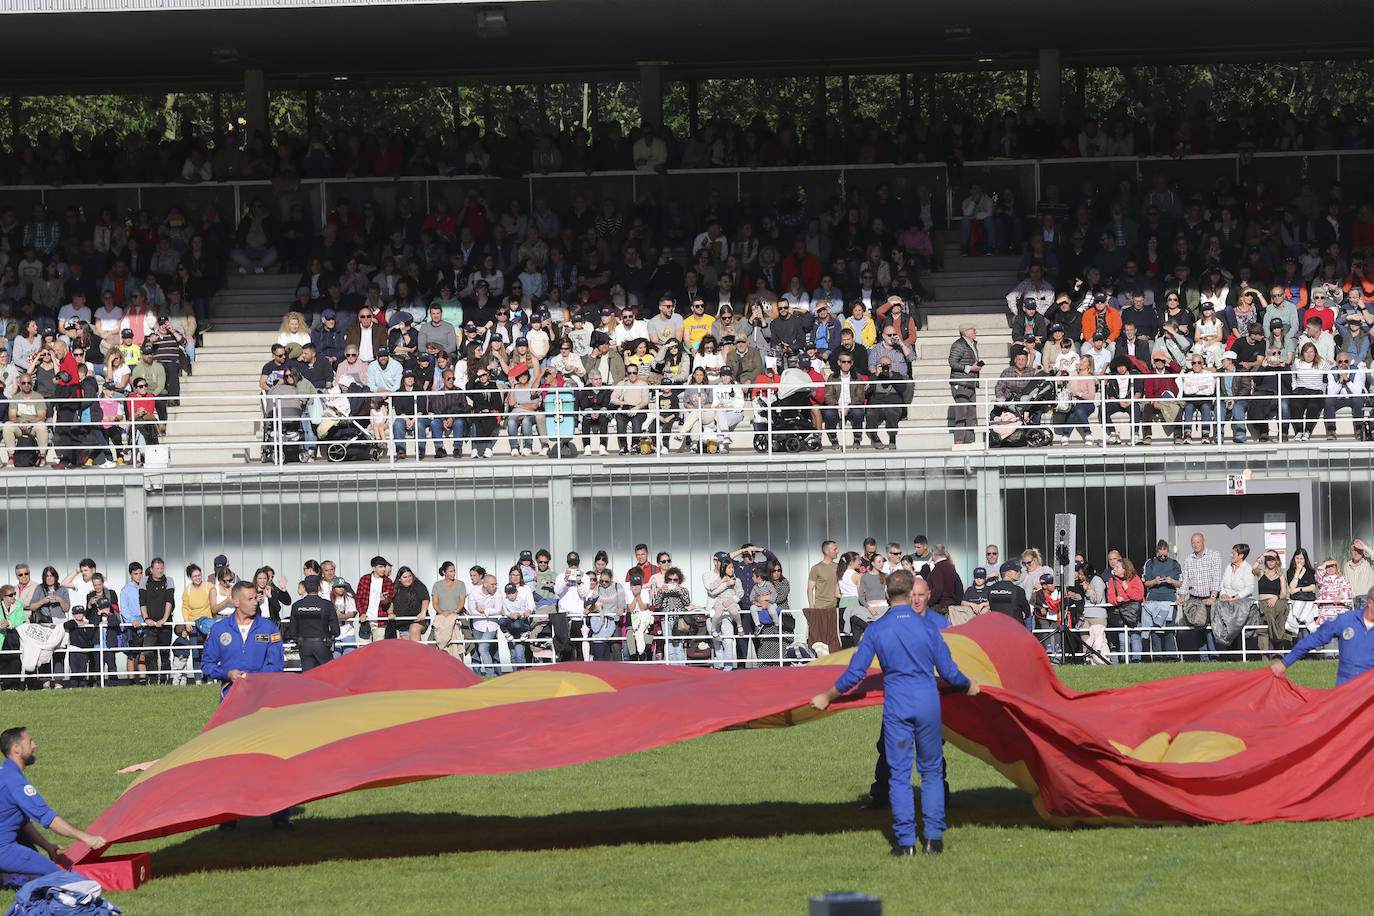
column 374, row 836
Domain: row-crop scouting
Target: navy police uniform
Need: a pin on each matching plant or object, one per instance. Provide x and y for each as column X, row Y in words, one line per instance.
column 20, row 803
column 226, row 650
column 1356, row 644
column 911, row 651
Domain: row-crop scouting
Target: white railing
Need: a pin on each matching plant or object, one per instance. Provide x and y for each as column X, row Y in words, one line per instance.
column 105, row 665
column 723, row 419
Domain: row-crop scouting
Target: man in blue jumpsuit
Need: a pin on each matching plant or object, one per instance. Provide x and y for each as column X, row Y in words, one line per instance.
column 1355, row 630
column 911, row 650
column 239, row 645
column 20, row 805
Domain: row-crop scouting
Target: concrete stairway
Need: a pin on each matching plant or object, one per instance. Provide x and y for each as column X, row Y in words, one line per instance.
column 246, row 315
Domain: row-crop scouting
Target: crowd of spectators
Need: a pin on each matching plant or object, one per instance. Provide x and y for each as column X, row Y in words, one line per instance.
column 1196, row 605
column 1201, row 306
column 101, row 317
column 513, row 149
column 666, row 324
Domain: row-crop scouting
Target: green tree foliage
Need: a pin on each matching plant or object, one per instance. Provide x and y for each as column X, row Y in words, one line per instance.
column 974, row 93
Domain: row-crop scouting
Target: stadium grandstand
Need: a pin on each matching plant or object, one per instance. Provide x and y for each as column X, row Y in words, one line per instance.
column 349, row 338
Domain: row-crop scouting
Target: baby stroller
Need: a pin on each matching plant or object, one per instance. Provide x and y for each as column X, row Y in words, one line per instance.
column 788, row 418
column 350, row 440
column 1007, row 423
column 283, row 440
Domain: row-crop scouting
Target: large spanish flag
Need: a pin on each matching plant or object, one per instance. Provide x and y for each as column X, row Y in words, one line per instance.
column 1224, row 746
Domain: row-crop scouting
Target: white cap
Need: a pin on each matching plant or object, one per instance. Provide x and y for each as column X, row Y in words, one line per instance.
column 1229, row 354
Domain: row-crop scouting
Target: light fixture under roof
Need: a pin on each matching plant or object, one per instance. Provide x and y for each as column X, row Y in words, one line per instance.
column 491, row 21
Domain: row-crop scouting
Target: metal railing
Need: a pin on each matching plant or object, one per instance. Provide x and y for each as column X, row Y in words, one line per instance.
column 1028, row 177
column 664, row 421
column 104, row 665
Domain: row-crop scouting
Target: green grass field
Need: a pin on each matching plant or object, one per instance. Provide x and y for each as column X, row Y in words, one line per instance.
column 737, row 822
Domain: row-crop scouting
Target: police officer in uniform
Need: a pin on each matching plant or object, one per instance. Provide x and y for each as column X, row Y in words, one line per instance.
column 241, row 644
column 911, row 650
column 313, row 626
column 1006, row 597
column 20, row 805
column 1354, row 632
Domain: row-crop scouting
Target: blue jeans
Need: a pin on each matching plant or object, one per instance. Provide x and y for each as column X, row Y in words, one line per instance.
column 308, row 433
column 1155, row 614
column 1204, row 411
column 1236, row 414
column 250, row 260
column 422, row 425
column 675, row 652
column 520, row 429
column 1079, row 415
column 519, row 656
column 486, row 653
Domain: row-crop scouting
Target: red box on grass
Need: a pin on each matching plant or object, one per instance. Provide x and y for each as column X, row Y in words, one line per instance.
column 118, row 873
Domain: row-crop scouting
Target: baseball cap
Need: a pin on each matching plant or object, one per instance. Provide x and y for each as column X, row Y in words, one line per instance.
column 312, row 582
column 146, row 349
column 71, row 324
column 1056, row 326
column 1007, row 567
column 512, row 588
column 470, row 327
column 722, row 555
column 573, row 558
column 383, row 351
column 1229, row 354
column 636, row 577
column 1099, row 334
column 980, row 573
column 527, row 555
column 221, row 561
column 726, row 370
column 522, row 341
column 1047, row 577
column 329, row 313
column 127, row 332
column 1275, row 323
column 401, row 318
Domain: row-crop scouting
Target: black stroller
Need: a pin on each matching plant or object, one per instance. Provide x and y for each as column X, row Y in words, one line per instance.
column 1009, row 425
column 350, row 439
column 787, row 421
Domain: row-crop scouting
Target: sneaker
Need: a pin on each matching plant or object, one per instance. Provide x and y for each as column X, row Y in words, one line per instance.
column 440, row 453
column 1145, row 441
column 601, row 450
column 1178, row 440
column 1113, row 438
column 1063, row 440
column 259, row 271
column 243, row 271
column 1089, row 441
column 1331, row 436
column 488, row 453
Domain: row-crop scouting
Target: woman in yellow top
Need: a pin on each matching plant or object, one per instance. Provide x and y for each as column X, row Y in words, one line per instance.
column 197, row 597
column 865, row 332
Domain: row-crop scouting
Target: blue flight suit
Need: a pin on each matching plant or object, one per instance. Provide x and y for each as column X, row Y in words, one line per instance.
column 1356, row 645
column 226, row 650
column 20, row 803
column 882, row 773
column 911, row 650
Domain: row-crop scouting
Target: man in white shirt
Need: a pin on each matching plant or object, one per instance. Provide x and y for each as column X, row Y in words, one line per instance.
column 77, row 309
column 1035, row 288
column 631, row 327
column 572, row 595
column 78, row 582
column 728, row 402
column 484, row 609
column 1345, row 387
column 714, row 241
